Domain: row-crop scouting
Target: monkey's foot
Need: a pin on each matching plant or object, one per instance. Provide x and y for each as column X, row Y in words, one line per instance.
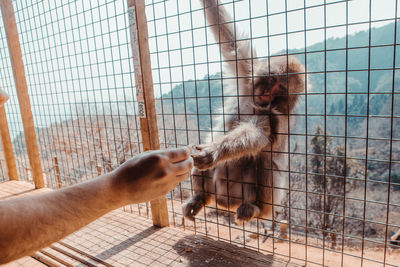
column 247, row 212
column 192, row 207
column 205, row 158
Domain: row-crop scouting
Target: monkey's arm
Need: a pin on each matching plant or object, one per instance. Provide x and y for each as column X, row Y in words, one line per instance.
column 246, row 140
column 236, row 53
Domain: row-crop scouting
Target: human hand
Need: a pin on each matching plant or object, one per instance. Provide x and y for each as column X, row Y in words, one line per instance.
column 150, row 175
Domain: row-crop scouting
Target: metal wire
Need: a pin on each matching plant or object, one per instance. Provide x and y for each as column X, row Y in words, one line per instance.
column 79, row 72
column 80, row 75
column 346, row 137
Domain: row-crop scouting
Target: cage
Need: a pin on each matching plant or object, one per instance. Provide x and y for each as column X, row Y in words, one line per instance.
column 107, row 80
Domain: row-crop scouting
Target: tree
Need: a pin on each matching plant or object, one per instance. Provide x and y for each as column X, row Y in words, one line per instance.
column 395, row 180
column 328, row 182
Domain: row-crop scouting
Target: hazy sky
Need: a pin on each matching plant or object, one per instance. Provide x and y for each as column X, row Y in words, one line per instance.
column 259, row 27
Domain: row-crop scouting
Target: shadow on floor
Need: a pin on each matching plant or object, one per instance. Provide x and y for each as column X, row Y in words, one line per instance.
column 202, row 251
column 114, row 250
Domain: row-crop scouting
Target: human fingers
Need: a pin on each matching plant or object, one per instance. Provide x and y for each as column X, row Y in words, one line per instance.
column 183, row 177
column 179, row 178
column 183, row 166
column 177, row 154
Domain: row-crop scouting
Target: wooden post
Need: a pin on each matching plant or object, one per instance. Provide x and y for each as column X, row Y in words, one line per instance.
column 333, row 239
column 58, row 174
column 14, row 47
column 145, row 94
column 6, row 139
column 99, row 169
column 283, row 229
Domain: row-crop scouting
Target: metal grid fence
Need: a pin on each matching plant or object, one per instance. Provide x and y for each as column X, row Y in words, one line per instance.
column 348, row 120
column 342, row 203
column 80, row 77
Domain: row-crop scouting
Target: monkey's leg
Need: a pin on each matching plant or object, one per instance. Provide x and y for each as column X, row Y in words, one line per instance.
column 246, row 140
column 248, row 210
column 202, row 183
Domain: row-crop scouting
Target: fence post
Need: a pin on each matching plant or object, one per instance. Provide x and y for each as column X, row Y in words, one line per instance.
column 6, row 139
column 333, row 239
column 14, row 47
column 58, row 174
column 284, row 229
column 145, row 94
column 99, row 170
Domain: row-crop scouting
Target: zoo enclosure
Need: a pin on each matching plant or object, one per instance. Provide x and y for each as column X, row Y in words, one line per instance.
column 86, row 106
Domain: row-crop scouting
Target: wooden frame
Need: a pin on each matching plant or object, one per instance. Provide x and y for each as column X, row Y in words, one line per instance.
column 145, row 95
column 10, row 25
column 6, row 139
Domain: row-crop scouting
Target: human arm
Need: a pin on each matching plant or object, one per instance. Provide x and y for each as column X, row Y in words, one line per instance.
column 31, row 223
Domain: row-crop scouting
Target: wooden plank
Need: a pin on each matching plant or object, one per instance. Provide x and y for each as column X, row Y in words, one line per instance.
column 145, row 95
column 14, row 47
column 45, row 260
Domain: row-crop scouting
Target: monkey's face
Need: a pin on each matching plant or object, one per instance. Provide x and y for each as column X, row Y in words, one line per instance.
column 268, row 88
column 278, row 80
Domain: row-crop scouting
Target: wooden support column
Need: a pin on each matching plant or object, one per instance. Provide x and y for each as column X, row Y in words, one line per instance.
column 145, row 94
column 284, row 229
column 10, row 25
column 58, row 174
column 6, row 140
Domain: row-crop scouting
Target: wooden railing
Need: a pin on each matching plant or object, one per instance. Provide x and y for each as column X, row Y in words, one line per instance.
column 14, row 47
column 6, row 139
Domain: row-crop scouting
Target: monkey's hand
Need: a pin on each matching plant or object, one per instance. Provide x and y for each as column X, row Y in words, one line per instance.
column 245, row 140
column 206, row 158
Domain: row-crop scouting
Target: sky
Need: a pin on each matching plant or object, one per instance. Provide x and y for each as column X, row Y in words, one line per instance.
column 78, row 55
column 312, row 18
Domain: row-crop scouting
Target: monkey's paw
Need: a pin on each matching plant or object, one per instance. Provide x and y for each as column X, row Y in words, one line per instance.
column 246, row 212
column 206, row 157
column 192, row 207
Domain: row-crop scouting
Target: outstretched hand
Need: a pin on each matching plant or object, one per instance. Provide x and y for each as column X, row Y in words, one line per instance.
column 58, row 213
column 151, row 174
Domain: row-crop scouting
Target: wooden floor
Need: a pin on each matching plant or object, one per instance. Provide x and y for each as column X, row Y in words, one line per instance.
column 124, row 239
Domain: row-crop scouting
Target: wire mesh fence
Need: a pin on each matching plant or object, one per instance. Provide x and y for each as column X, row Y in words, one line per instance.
column 343, row 159
column 342, row 198
column 80, row 76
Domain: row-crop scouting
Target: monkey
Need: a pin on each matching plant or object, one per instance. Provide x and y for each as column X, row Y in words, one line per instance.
column 244, row 170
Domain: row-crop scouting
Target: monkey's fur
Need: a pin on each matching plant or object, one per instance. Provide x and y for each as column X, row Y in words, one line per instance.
column 257, row 123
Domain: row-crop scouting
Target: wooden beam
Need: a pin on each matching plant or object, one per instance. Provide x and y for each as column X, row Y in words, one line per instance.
column 6, row 140
column 14, row 47
column 145, row 94
column 8, row 150
column 58, row 174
